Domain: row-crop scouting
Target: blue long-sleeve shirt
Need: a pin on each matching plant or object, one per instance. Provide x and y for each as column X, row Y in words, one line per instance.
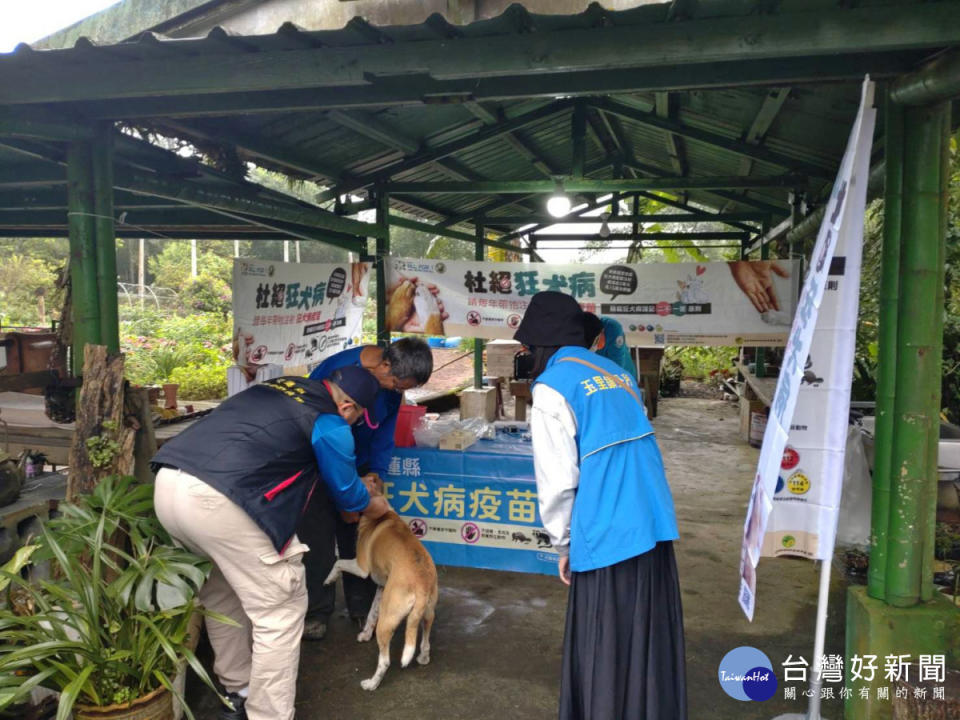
column 373, row 447
column 333, row 447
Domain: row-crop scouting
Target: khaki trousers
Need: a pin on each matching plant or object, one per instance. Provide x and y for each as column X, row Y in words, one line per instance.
column 250, row 583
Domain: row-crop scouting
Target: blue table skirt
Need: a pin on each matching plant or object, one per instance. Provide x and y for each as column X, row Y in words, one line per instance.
column 476, row 508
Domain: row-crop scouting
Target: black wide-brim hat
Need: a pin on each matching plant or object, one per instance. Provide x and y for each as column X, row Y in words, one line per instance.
column 553, row 319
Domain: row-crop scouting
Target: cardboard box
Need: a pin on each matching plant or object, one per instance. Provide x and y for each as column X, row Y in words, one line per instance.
column 500, row 355
column 457, row 440
column 479, row 402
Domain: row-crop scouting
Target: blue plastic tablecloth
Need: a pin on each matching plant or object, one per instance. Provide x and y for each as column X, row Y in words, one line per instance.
column 473, row 508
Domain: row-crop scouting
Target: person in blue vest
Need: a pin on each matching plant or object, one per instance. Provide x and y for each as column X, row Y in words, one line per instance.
column 607, row 508
column 232, row 488
column 606, row 338
column 404, row 365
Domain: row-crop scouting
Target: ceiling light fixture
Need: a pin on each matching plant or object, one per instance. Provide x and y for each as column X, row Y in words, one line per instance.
column 558, row 205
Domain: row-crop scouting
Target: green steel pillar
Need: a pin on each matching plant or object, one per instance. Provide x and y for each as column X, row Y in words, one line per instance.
column 106, row 244
column 383, row 252
column 83, row 260
column 927, row 588
column 886, row 348
column 919, row 345
column 478, row 343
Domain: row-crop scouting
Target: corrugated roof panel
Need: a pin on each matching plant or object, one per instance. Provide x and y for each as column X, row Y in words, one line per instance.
column 811, row 126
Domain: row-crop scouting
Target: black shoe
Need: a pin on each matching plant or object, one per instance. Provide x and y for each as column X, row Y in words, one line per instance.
column 238, row 712
column 315, row 629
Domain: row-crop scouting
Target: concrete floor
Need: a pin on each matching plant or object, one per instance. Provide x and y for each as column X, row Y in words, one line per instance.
column 497, row 639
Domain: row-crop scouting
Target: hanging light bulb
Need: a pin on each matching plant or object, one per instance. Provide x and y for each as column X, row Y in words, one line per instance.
column 558, row 205
column 604, row 227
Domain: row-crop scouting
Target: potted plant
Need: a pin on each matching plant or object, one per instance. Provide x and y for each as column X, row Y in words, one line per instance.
column 110, row 631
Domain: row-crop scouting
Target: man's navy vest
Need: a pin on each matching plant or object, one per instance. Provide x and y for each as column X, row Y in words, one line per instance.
column 623, row 505
column 255, row 448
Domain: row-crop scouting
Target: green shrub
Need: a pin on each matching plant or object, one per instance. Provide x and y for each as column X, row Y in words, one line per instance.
column 201, row 382
column 702, row 363
column 206, row 294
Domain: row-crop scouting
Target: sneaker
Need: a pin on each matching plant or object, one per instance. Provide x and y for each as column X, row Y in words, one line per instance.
column 314, row 629
column 238, row 712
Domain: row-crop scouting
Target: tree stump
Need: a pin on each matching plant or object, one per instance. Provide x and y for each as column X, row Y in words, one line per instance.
column 139, row 416
column 100, row 414
column 919, row 704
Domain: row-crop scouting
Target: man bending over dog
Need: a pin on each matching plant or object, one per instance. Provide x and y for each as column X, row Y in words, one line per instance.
column 232, row 488
column 402, row 366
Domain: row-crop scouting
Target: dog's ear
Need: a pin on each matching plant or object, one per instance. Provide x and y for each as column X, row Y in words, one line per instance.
column 374, row 483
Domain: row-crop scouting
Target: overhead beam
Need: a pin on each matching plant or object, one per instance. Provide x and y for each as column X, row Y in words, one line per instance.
column 40, row 199
column 760, row 205
column 433, row 154
column 674, row 144
column 245, row 232
column 681, row 205
column 772, row 103
column 552, row 237
column 833, row 34
column 40, row 125
column 737, row 147
column 691, row 217
column 249, row 203
column 453, row 234
column 659, row 245
column 524, row 187
column 370, row 126
column 578, row 138
column 418, row 90
column 256, row 145
column 518, row 142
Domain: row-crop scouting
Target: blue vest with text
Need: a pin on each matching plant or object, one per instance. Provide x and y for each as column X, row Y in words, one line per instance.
column 623, row 506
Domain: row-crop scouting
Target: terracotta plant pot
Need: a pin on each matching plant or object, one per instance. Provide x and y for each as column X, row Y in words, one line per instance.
column 157, row 705
column 170, row 396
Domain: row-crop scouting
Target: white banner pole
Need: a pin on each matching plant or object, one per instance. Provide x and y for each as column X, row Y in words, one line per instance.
column 816, row 680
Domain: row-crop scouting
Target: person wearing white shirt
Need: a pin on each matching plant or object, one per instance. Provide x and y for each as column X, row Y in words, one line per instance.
column 607, row 508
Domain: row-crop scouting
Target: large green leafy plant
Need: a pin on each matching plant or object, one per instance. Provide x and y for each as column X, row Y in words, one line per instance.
column 113, row 624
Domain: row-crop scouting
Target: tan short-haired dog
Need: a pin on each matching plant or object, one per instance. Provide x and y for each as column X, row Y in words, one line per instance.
column 389, row 552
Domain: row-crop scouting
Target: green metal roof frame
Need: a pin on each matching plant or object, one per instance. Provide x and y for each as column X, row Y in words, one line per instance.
column 730, row 106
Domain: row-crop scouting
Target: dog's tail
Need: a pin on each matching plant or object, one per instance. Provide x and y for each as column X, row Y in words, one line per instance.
column 413, row 624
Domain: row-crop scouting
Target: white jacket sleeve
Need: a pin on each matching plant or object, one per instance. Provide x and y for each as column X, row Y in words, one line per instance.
column 553, row 428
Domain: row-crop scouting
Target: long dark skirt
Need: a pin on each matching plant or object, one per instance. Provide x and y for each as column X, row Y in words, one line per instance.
column 623, row 650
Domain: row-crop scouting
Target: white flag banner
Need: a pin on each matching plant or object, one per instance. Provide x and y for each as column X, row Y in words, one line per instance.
column 716, row 303
column 295, row 314
column 796, row 495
